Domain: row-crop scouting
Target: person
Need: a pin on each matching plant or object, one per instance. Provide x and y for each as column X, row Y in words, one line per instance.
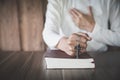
column 94, row 24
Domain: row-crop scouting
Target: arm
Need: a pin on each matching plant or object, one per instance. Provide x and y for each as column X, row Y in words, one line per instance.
column 106, row 36
column 51, row 34
column 110, row 36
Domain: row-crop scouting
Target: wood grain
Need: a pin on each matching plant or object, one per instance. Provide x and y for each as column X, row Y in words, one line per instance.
column 0, row 38
column 29, row 66
column 31, row 24
column 9, row 28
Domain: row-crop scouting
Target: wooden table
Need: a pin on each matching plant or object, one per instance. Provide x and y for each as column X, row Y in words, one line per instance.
column 31, row 66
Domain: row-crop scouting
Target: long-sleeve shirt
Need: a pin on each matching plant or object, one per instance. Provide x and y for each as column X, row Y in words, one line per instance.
column 59, row 22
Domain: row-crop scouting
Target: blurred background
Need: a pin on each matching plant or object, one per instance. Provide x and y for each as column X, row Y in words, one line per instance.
column 21, row 25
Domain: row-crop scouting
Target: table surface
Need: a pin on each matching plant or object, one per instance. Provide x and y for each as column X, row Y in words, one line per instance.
column 31, row 66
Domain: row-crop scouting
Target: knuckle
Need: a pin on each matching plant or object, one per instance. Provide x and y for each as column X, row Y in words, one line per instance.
column 84, row 40
column 83, row 45
column 73, row 34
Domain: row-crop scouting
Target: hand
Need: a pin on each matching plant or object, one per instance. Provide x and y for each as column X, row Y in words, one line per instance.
column 79, row 38
column 83, row 21
column 64, row 46
column 68, row 44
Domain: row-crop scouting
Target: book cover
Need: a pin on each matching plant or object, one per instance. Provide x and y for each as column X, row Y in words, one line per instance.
column 57, row 59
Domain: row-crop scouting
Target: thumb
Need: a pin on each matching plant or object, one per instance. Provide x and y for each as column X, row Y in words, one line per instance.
column 90, row 11
column 85, row 35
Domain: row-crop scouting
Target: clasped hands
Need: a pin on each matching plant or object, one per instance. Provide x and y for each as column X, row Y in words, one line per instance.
column 67, row 44
column 83, row 21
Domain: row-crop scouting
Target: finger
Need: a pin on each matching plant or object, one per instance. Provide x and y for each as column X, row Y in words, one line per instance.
column 83, row 39
column 79, row 13
column 71, row 53
column 83, row 50
column 71, row 41
column 83, row 45
column 73, row 37
column 71, row 48
column 90, row 11
column 73, row 14
column 84, row 35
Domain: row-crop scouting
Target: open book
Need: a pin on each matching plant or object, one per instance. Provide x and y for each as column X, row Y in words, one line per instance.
column 57, row 59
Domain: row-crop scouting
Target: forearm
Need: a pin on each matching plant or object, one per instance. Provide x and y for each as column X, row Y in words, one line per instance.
column 51, row 37
column 51, row 34
column 109, row 36
column 106, row 36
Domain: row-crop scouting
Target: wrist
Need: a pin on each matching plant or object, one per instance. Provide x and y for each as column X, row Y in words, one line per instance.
column 61, row 43
column 91, row 27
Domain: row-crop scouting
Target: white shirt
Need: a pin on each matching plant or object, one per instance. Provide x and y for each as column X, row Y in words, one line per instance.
column 59, row 22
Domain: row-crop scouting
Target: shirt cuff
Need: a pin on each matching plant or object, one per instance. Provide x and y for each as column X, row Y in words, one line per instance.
column 95, row 33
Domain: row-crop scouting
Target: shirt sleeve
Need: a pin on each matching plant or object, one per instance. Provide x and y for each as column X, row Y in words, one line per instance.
column 110, row 36
column 51, row 34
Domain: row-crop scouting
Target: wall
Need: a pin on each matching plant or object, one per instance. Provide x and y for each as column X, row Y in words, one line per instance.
column 21, row 25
